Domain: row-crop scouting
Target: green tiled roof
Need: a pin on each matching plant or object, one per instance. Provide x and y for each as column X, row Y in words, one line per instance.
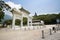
column 22, row 9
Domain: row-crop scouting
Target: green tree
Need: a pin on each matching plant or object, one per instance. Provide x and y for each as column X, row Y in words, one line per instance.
column 8, row 22
column 1, row 14
column 58, row 16
column 24, row 20
column 3, row 6
column 17, row 22
column 48, row 19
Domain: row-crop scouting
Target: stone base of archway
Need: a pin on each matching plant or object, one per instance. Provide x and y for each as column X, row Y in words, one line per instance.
column 16, row 27
column 26, row 27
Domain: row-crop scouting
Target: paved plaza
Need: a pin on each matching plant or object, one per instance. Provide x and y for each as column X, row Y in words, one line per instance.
column 8, row 34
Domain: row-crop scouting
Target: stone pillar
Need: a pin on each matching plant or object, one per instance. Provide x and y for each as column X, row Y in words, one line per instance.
column 43, row 34
column 28, row 22
column 50, row 31
column 22, row 22
column 31, row 22
column 13, row 22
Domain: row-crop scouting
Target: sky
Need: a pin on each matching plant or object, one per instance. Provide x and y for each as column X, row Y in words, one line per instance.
column 39, row 6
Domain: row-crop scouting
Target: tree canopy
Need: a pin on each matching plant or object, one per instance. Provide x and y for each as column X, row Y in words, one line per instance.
column 48, row 19
column 2, row 6
column 1, row 14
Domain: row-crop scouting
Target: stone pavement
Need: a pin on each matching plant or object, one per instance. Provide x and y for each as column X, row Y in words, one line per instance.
column 54, row 36
column 8, row 34
column 27, row 35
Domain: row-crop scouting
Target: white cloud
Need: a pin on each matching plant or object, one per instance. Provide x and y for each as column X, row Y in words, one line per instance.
column 13, row 5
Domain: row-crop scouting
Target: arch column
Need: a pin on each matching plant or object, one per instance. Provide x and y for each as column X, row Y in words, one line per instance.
column 22, row 22
column 13, row 22
column 31, row 22
column 28, row 22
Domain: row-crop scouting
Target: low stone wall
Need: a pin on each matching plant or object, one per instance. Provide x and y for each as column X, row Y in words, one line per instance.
column 31, row 27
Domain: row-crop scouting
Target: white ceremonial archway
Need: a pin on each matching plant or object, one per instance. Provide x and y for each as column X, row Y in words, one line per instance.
column 19, row 14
